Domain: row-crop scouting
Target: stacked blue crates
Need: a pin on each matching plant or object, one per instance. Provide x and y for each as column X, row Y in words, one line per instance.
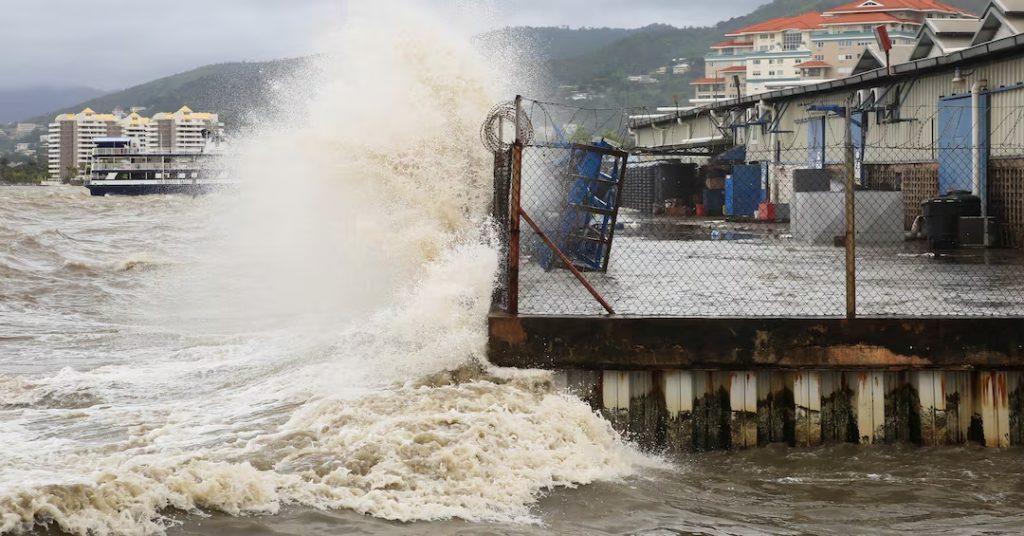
column 584, row 229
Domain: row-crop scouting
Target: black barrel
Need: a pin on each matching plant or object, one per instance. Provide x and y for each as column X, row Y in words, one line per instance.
column 942, row 216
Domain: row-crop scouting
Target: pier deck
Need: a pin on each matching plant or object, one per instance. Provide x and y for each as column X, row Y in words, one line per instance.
column 709, row 333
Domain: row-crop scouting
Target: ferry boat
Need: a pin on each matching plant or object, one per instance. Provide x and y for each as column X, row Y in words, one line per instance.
column 120, row 167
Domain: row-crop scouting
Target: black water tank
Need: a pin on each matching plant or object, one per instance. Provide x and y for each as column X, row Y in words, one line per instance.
column 942, row 216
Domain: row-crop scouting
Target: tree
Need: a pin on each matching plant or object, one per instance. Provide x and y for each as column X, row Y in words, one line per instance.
column 72, row 172
column 582, row 136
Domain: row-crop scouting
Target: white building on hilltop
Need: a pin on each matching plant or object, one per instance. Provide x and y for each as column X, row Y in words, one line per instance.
column 810, row 48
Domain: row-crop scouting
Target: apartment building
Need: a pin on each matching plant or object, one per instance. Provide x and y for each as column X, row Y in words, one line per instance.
column 70, row 141
column 183, row 131
column 70, row 136
column 136, row 127
column 809, row 48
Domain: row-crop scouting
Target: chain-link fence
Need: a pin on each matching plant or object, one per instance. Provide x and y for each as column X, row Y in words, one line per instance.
column 756, row 223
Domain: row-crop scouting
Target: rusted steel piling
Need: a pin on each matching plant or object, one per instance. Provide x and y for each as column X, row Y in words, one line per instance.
column 702, row 410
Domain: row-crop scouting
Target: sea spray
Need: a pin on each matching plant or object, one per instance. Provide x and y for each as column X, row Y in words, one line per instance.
column 321, row 342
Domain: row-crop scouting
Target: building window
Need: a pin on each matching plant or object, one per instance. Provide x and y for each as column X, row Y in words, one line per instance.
column 846, row 43
column 765, row 36
column 792, row 40
column 821, row 44
column 771, row 73
column 819, row 57
column 756, row 73
column 757, row 62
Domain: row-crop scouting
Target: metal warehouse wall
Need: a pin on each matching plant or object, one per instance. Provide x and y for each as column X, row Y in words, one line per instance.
column 912, row 139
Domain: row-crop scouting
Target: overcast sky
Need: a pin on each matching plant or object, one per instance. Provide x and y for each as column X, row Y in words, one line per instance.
column 112, row 44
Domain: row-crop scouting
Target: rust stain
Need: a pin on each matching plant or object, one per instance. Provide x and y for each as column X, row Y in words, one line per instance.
column 870, row 356
column 508, row 330
column 1000, row 393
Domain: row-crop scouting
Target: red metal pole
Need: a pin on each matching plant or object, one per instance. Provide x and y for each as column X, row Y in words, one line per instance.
column 565, row 260
column 513, row 229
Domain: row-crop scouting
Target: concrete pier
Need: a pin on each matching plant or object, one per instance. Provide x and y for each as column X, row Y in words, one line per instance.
column 708, row 384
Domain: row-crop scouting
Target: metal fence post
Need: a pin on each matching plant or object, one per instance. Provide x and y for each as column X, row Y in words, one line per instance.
column 851, row 228
column 514, row 210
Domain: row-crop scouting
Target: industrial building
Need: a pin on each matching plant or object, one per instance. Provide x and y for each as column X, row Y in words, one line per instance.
column 940, row 123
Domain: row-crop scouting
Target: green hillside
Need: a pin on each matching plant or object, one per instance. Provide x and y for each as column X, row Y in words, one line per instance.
column 232, row 89
column 555, row 43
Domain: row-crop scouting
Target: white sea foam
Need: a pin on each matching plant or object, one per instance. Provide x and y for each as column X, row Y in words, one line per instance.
column 324, row 347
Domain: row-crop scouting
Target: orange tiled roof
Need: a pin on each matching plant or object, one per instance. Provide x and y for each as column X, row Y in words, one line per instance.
column 812, row 64
column 858, row 6
column 731, row 44
column 702, row 81
column 807, row 21
column 863, row 18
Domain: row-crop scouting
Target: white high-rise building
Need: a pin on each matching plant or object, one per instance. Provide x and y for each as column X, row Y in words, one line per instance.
column 136, row 127
column 183, row 131
column 71, row 141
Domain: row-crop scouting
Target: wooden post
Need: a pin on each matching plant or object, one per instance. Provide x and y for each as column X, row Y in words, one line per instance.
column 514, row 212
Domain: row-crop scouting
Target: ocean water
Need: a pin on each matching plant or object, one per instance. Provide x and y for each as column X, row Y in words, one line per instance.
column 306, row 356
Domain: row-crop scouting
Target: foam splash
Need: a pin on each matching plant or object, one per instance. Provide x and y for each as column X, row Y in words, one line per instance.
column 303, row 354
column 480, row 450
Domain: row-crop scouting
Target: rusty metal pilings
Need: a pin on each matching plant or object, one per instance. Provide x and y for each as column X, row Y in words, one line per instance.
column 696, row 410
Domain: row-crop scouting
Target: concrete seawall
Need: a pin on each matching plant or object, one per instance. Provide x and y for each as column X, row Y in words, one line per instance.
column 688, row 384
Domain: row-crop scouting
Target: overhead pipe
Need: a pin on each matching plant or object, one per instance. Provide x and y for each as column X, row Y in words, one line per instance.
column 762, row 107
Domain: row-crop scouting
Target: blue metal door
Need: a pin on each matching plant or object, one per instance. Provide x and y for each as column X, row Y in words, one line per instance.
column 956, row 164
column 743, row 191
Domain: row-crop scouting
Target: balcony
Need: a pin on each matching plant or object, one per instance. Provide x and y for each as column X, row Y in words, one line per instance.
column 821, row 36
column 117, row 166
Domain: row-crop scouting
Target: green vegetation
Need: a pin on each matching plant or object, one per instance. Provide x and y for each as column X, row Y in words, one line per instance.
column 26, row 172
